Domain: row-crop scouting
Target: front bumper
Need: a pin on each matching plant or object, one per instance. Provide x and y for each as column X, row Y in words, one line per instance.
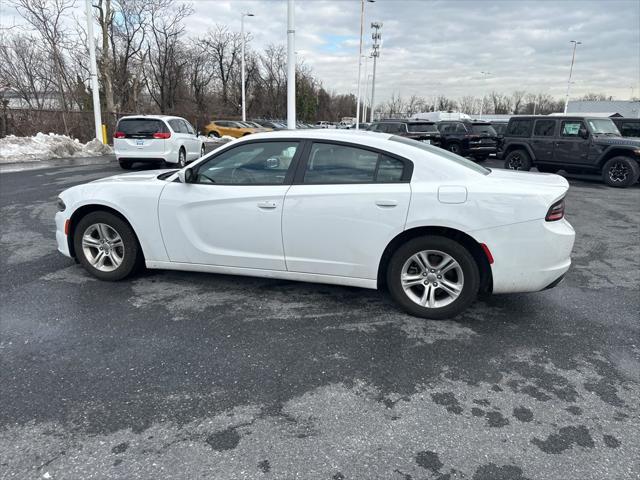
column 61, row 238
column 528, row 256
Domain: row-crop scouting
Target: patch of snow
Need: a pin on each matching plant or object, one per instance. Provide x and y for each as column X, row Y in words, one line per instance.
column 223, row 139
column 46, row 146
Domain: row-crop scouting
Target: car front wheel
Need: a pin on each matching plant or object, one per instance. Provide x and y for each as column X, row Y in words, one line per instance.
column 433, row 277
column 455, row 148
column 106, row 246
column 620, row 172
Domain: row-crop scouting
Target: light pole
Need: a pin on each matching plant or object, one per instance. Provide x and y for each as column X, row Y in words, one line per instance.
column 360, row 61
column 242, row 39
column 573, row 58
column 363, row 116
column 485, row 75
column 291, row 66
column 94, row 73
column 376, row 36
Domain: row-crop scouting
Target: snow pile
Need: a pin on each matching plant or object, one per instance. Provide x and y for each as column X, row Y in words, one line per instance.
column 45, row 146
column 222, row 139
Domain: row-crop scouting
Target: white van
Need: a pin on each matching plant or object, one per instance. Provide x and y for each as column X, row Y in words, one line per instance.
column 156, row 138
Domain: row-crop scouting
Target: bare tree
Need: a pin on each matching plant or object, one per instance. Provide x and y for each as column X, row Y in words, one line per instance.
column 468, row 104
column 517, row 98
column 224, row 47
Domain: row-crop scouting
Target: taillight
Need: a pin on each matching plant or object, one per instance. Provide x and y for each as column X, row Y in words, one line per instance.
column 556, row 211
column 119, row 135
column 162, row 135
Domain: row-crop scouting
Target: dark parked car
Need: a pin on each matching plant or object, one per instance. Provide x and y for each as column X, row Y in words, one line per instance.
column 424, row 131
column 499, row 126
column 629, row 127
column 575, row 144
column 271, row 124
column 468, row 138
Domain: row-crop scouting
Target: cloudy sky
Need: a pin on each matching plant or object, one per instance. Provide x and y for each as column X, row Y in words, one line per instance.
column 433, row 47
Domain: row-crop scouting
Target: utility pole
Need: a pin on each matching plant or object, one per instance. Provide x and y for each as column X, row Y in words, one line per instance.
column 376, row 36
column 291, row 67
column 573, row 59
column 360, row 61
column 97, row 117
column 363, row 116
column 242, row 39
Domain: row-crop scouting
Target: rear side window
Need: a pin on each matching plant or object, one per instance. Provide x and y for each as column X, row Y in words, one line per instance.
column 177, row 125
column 341, row 164
column 544, row 128
column 141, row 127
column 421, row 127
column 519, row 128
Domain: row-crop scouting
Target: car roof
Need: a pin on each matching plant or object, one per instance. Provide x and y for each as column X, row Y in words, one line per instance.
column 150, row 117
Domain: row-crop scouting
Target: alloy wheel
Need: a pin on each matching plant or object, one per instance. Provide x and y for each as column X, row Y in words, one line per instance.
column 432, row 279
column 103, row 247
column 515, row 162
column 618, row 172
column 181, row 159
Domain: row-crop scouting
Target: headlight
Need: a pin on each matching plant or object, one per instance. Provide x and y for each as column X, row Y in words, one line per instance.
column 61, row 205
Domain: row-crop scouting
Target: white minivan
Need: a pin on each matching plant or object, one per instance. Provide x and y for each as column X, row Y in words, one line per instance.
column 156, row 138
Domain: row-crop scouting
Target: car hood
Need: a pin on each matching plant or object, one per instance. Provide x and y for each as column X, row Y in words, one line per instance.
column 133, row 177
column 627, row 141
column 529, row 179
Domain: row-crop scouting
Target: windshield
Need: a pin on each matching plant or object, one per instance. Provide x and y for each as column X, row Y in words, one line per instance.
column 421, row 127
column 603, row 126
column 480, row 129
column 442, row 153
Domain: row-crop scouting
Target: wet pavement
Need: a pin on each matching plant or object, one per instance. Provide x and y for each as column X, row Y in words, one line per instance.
column 185, row 375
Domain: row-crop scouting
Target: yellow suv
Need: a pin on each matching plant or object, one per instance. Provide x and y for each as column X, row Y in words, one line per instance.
column 218, row 128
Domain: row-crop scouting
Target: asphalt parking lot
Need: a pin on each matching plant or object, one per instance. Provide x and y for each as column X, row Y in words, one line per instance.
column 184, row 375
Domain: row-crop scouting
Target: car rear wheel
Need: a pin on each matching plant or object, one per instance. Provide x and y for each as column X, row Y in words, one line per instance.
column 620, row 172
column 106, row 246
column 182, row 159
column 518, row 160
column 455, row 148
column 433, row 277
column 125, row 164
column 214, row 134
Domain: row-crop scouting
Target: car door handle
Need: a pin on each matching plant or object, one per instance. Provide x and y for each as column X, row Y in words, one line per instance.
column 386, row 203
column 267, row 205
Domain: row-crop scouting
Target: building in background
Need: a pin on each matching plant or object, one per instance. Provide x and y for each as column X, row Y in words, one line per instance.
column 626, row 108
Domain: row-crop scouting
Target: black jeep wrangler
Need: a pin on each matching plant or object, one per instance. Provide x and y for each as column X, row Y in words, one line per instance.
column 575, row 144
column 468, row 138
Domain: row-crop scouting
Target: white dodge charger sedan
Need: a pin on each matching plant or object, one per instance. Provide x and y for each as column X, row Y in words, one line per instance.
column 350, row 208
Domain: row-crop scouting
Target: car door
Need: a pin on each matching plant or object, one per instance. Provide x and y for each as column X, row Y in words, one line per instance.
column 571, row 147
column 231, row 214
column 543, row 140
column 191, row 139
column 346, row 204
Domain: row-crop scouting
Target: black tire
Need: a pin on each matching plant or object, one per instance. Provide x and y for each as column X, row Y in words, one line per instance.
column 470, row 277
column 547, row 169
column 620, row 172
column 125, row 164
column 214, row 134
column 518, row 160
column 203, row 150
column 455, row 147
column 130, row 252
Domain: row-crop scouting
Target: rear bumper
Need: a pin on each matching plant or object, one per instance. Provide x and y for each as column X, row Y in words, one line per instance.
column 528, row 256
column 153, row 159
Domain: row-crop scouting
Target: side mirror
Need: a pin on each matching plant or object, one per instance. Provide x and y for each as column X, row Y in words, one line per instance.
column 583, row 133
column 186, row 175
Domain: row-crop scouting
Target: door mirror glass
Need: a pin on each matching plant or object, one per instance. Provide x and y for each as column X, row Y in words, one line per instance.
column 186, row 175
column 583, row 133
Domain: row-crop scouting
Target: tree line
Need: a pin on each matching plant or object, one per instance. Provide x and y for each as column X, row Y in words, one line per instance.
column 147, row 64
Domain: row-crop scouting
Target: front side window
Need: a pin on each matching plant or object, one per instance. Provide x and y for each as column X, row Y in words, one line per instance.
column 544, row 128
column 265, row 163
column 571, row 128
column 331, row 164
column 460, row 128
